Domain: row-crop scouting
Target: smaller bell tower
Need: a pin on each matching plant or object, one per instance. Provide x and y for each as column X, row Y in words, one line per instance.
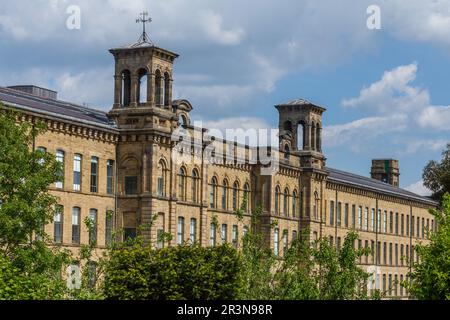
column 300, row 127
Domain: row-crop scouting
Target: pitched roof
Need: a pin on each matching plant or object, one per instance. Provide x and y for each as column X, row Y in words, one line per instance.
column 55, row 108
column 340, row 176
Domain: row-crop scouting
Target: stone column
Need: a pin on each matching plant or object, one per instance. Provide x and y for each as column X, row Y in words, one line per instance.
column 134, row 90
column 117, row 91
column 151, row 88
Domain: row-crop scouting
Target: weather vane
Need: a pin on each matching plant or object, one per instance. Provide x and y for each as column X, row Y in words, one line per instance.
column 144, row 18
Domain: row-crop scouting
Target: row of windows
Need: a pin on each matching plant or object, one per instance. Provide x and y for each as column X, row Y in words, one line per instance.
column 390, row 254
column 58, row 226
column 381, row 222
column 225, row 189
column 288, row 204
column 213, row 233
column 284, row 240
column 77, row 172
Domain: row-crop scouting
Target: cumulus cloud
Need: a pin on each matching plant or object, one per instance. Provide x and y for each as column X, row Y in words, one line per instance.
column 419, row 188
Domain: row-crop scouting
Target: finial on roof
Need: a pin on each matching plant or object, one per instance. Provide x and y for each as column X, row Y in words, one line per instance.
column 144, row 18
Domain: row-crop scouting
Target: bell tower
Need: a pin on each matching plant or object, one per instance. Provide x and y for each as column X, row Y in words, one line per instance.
column 142, row 80
column 300, row 127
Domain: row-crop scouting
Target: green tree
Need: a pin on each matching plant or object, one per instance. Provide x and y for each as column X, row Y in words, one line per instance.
column 430, row 277
column 26, row 207
column 436, row 175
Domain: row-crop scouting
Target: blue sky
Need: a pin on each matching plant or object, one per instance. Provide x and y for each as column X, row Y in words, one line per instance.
column 386, row 91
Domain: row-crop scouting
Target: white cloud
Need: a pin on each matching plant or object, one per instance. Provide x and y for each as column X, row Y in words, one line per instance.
column 212, row 24
column 426, row 145
column 419, row 188
column 435, row 117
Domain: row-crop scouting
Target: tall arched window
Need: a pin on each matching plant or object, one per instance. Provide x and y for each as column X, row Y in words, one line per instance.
column 313, row 136
column 195, row 184
column 213, row 193
column 167, row 89
column 277, row 200
column 316, row 206
column 159, row 88
column 225, row 195
column 318, row 142
column 294, row 203
column 161, row 176
column 126, row 88
column 247, row 197
column 235, row 195
column 286, row 152
column 142, row 86
column 286, row 202
column 182, row 184
column 301, row 136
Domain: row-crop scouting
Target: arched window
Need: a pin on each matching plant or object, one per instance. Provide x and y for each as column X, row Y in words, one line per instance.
column 225, row 195
column 159, row 88
column 213, row 193
column 316, row 206
column 195, row 184
column 126, row 88
column 286, row 202
column 286, row 152
column 235, row 195
column 294, row 203
column 161, row 176
column 182, row 184
column 277, row 200
column 166, row 89
column 301, row 136
column 318, row 142
column 142, row 86
column 247, row 197
column 313, row 136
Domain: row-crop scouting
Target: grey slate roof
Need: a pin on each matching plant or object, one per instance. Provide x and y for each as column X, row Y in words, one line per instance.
column 374, row 185
column 55, row 108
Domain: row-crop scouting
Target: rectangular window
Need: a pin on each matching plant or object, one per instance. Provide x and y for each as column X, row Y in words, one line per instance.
column 338, row 244
column 418, row 227
column 372, row 219
column 366, row 246
column 423, row 228
column 76, row 225
column 390, row 254
column 94, row 174
column 412, row 226
column 378, row 252
column 93, row 226
column 160, row 190
column 366, row 219
column 110, row 177
column 235, row 236
column 339, row 213
column 353, row 216
column 224, row 233
column 391, row 222
column 396, row 223
column 372, row 250
column 396, row 254
column 60, row 160
column 384, row 253
column 276, row 244
column 407, row 225
column 129, row 233
column 77, row 172
column 402, row 225
column 193, row 230
column 359, row 248
column 346, row 215
column 332, row 213
column 285, row 241
column 131, row 184
column 58, row 224
column 402, row 252
column 360, row 219
column 159, row 238
column 180, row 231
column 379, row 220
column 109, row 223
column 212, row 235
column 385, row 222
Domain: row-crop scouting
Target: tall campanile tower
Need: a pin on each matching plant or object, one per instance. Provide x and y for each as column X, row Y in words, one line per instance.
column 144, row 114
